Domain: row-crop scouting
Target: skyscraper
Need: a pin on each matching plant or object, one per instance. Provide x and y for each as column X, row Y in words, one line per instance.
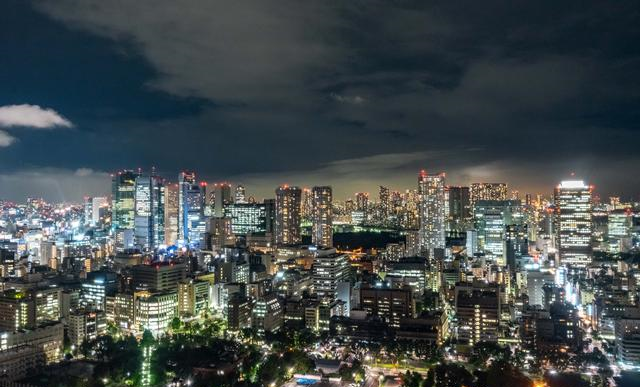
column 221, row 197
column 491, row 218
column 572, row 222
column 241, row 194
column 123, row 188
column 307, row 204
column 191, row 208
column 171, row 210
column 246, row 218
column 432, row 220
column 362, row 201
column 329, row 269
column 288, row 215
column 385, row 203
column 459, row 207
column 149, row 212
column 322, row 231
column 487, row 191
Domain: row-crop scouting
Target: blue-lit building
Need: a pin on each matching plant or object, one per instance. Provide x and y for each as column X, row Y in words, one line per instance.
column 191, row 203
column 149, row 212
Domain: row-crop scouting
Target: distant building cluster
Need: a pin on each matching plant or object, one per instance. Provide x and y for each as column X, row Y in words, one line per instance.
column 468, row 265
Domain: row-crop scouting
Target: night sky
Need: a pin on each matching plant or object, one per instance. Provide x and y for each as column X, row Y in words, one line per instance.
column 352, row 94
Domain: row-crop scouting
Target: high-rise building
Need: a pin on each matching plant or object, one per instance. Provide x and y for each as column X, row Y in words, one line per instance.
column 149, row 212
column 362, row 201
column 322, row 219
column 246, row 218
column 307, row 204
column 390, row 305
column 516, row 243
column 221, row 197
column 572, row 222
column 171, row 211
column 329, row 269
column 385, row 203
column 288, row 215
column 487, row 191
column 432, row 210
column 478, row 309
column 619, row 226
column 491, row 218
column 459, row 206
column 159, row 277
column 241, row 194
column 192, row 222
column 123, row 190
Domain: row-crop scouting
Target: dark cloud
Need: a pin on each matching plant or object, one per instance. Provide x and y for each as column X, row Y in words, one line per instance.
column 518, row 91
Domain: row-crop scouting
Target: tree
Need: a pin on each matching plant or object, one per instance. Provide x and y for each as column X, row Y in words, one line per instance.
column 147, row 339
column 501, row 373
column 451, row 375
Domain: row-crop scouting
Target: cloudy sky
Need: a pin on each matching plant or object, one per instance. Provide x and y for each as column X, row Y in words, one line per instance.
column 348, row 93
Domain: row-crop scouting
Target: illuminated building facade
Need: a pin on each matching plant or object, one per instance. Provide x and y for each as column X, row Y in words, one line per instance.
column 322, row 219
column 221, row 197
column 191, row 209
column 459, row 207
column 572, row 222
column 288, row 215
column 246, row 218
column 487, row 191
column 123, row 191
column 171, row 210
column 491, row 218
column 329, row 269
column 432, row 211
column 149, row 212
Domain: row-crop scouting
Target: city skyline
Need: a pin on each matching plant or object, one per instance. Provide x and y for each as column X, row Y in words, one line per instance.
column 343, row 94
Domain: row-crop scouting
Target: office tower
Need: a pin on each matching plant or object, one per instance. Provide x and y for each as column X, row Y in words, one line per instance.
column 329, row 269
column 385, row 203
column 149, row 212
column 267, row 314
column 99, row 206
column 246, row 218
column 221, row 197
column 155, row 311
column 98, row 286
column 322, row 219
column 619, row 226
column 88, row 210
column 491, row 218
column 536, row 281
column 192, row 223
column 193, row 297
column 390, row 305
column 159, row 277
column 487, row 191
column 288, row 215
column 241, row 194
column 123, row 191
column 171, row 214
column 17, row 311
column 572, row 222
column 459, row 206
column 220, row 233
column 84, row 325
column 432, row 221
column 238, row 313
column 478, row 311
column 516, row 244
column 270, row 217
